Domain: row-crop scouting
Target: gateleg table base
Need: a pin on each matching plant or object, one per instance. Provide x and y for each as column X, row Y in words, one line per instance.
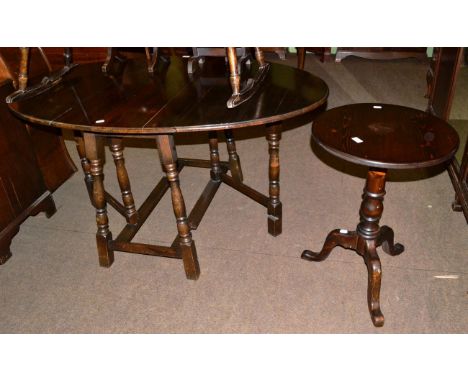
column 183, row 246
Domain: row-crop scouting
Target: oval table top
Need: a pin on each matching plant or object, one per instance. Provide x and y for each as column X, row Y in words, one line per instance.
column 385, row 136
column 133, row 101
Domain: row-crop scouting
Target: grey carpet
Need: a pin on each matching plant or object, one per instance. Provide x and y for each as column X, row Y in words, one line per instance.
column 251, row 282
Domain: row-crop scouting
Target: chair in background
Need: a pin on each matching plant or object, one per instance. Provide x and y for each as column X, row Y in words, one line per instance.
column 301, row 53
column 113, row 54
column 237, row 58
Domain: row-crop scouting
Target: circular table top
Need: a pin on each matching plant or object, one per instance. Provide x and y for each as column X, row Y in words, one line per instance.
column 385, row 136
column 133, row 101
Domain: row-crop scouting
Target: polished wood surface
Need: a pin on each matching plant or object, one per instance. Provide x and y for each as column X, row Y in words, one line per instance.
column 385, row 136
column 380, row 136
column 133, row 101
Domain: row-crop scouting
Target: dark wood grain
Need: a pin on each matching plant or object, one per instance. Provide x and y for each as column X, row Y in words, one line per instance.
column 392, row 136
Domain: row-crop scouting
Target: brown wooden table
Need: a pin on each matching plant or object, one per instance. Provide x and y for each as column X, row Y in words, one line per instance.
column 381, row 137
column 129, row 101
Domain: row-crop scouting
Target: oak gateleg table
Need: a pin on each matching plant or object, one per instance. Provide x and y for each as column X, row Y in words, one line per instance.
column 127, row 101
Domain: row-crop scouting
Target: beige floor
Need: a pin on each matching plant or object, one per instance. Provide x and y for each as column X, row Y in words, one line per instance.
column 251, row 282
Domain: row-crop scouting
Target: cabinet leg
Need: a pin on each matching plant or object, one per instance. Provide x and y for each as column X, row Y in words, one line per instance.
column 5, row 242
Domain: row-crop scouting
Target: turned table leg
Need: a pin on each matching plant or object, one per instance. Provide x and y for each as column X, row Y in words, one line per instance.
column 116, row 149
column 274, row 205
column 234, row 160
column 365, row 240
column 186, row 247
column 85, row 165
column 93, row 148
column 214, row 156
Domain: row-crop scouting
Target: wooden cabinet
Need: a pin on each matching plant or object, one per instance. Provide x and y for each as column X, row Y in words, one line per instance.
column 23, row 190
column 33, row 161
column 441, row 80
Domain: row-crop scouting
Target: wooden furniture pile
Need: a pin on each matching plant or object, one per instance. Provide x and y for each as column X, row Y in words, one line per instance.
column 158, row 98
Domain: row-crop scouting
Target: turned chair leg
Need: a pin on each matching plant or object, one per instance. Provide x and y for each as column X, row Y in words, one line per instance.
column 239, row 95
column 23, row 69
column 151, row 58
column 234, row 76
column 93, row 149
column 186, row 247
column 260, row 57
column 116, row 149
column 300, row 58
column 234, row 160
column 274, row 205
column 112, row 54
